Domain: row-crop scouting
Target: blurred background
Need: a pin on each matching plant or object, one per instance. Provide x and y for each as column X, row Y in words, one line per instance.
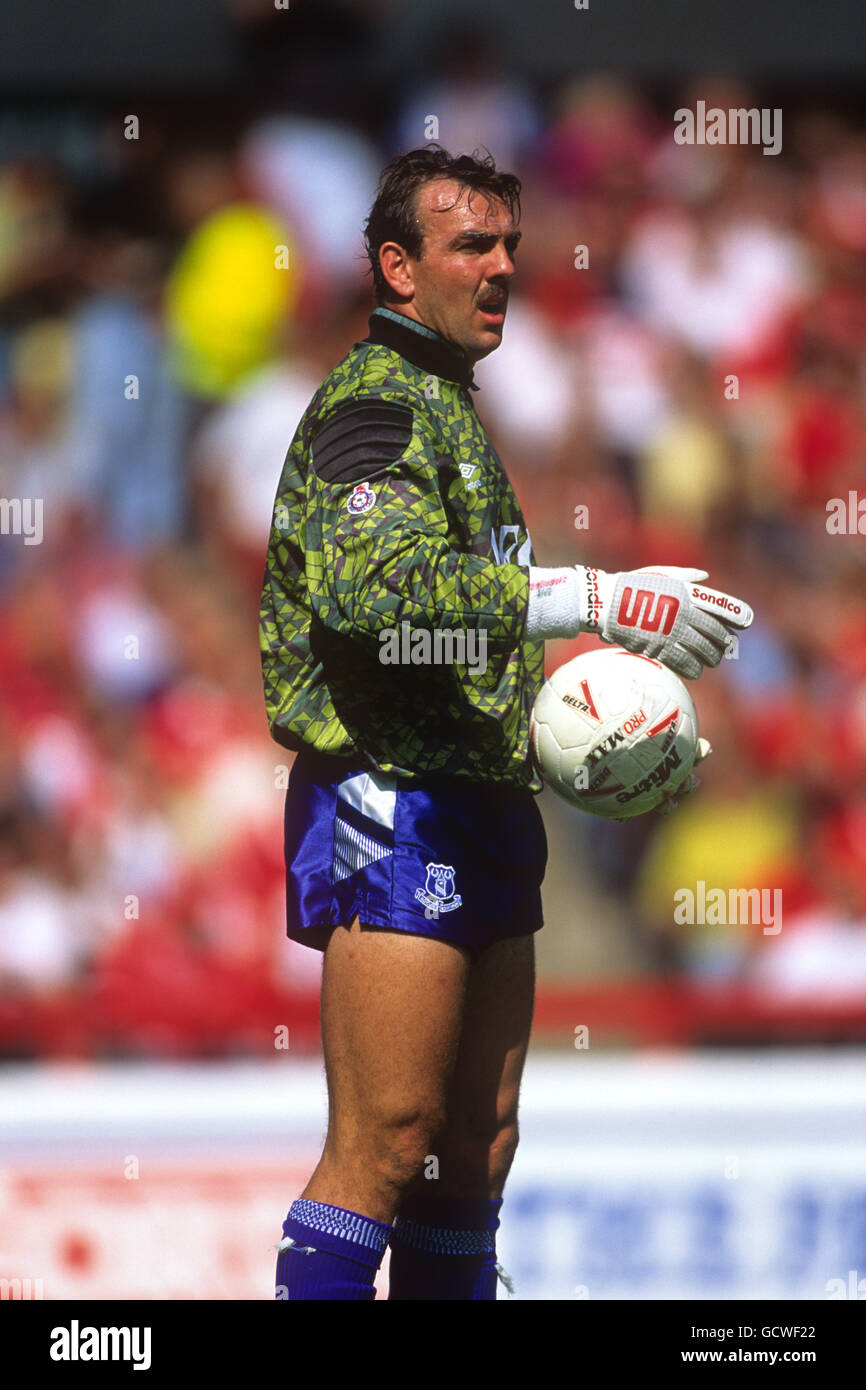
column 693, row 394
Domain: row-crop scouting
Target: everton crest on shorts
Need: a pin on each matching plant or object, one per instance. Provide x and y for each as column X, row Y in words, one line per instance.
column 433, row 856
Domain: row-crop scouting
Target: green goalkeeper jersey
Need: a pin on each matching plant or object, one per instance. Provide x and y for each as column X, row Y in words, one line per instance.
column 396, row 587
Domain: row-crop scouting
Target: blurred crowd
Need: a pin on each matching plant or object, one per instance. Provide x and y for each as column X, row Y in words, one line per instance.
column 682, row 381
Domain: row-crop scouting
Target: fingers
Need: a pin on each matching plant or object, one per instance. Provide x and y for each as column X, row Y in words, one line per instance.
column 705, row 748
column 733, row 612
column 688, row 576
column 689, row 656
column 709, row 648
column 683, row 662
column 711, row 628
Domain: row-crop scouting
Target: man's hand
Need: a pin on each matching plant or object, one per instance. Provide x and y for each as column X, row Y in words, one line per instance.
column 663, row 612
column 660, row 611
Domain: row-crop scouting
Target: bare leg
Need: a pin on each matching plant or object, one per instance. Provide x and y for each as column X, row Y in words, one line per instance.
column 476, row 1145
column 392, row 1012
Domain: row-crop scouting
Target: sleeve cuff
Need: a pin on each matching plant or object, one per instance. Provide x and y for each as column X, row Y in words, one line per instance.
column 554, row 603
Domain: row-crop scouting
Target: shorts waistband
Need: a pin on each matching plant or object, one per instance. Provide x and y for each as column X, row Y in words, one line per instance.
column 327, row 767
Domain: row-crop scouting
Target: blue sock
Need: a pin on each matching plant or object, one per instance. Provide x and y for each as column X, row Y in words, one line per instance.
column 329, row 1253
column 444, row 1247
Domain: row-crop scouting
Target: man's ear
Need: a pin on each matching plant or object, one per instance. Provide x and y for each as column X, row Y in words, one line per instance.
column 396, row 268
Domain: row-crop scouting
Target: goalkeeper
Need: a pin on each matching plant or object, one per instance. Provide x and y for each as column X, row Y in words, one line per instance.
column 414, row 846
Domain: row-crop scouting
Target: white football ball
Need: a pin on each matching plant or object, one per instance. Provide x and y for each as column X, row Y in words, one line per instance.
column 614, row 733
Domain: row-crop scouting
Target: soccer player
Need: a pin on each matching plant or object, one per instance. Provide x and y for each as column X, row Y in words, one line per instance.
column 402, row 628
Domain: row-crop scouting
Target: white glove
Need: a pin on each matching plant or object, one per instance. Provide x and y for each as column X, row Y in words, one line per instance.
column 662, row 612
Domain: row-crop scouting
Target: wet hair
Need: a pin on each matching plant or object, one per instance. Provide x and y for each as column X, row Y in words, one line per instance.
column 393, row 216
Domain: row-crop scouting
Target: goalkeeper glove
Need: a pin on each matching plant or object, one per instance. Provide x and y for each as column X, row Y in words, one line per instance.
column 661, row 612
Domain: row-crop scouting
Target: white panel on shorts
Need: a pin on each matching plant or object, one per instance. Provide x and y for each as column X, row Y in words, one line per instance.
column 374, row 794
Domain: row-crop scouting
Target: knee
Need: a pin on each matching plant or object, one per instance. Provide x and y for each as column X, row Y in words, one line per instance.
column 405, row 1137
column 501, row 1153
column 479, row 1158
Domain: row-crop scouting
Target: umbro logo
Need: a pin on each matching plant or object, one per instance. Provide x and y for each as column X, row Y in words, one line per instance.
column 466, row 472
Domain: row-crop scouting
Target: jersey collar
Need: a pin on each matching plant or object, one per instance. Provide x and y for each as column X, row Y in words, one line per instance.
column 421, row 346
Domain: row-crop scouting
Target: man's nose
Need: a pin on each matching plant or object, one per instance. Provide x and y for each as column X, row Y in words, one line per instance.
column 501, row 265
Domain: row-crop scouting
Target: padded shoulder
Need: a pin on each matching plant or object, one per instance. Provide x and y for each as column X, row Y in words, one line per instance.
column 361, row 438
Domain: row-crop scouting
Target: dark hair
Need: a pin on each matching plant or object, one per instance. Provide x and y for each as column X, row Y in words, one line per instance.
column 393, row 216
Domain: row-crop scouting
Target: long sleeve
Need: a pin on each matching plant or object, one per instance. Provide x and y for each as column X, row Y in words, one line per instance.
column 379, row 546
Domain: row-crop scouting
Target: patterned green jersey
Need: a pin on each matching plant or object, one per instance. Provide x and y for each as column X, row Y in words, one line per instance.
column 397, row 585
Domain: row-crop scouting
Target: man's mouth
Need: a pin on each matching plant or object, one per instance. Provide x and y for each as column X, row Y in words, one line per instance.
column 494, row 308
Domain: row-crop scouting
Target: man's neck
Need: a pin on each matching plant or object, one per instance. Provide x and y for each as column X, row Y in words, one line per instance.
column 421, row 344
column 402, row 313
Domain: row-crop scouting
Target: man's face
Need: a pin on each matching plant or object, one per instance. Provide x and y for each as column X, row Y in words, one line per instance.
column 460, row 284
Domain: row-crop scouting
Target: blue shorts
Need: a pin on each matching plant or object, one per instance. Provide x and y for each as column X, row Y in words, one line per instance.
column 436, row 856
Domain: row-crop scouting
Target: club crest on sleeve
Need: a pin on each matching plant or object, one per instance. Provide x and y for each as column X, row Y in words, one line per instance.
column 438, row 892
column 361, row 499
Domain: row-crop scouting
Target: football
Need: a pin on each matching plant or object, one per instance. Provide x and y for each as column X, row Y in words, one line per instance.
column 614, row 733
